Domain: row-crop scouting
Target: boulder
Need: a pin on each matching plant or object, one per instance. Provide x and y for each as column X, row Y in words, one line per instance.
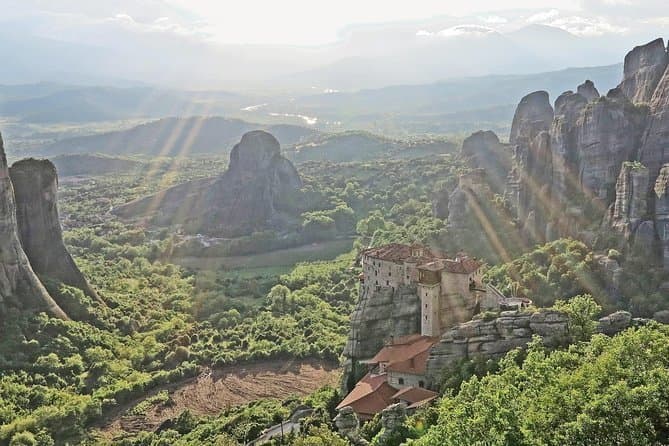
column 614, row 323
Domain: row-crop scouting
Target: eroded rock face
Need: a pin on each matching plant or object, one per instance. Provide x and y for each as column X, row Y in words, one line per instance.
column 36, row 188
column 380, row 315
column 494, row 338
column 661, row 191
column 19, row 286
column 588, row 90
column 484, row 151
column 609, row 131
column 564, row 144
column 532, row 159
column 643, row 68
column 248, row 197
column 631, row 205
column 654, row 151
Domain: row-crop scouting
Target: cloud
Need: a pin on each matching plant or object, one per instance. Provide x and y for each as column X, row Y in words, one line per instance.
column 587, row 26
column 543, row 17
column 494, row 19
column 457, row 31
column 158, row 25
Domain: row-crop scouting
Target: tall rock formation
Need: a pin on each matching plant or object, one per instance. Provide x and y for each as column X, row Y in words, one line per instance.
column 484, row 151
column 609, row 131
column 252, row 195
column 643, row 68
column 564, row 144
column 654, row 151
column 631, row 204
column 380, row 316
column 531, row 174
column 19, row 286
column 661, row 191
column 36, row 188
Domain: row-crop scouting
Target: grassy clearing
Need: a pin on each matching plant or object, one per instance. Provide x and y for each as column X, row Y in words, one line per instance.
column 281, row 259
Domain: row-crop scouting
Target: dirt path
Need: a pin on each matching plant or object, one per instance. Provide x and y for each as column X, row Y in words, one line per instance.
column 218, row 389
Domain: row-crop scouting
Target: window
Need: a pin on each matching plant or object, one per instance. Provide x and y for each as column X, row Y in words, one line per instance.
column 389, row 274
column 426, row 306
column 421, row 384
column 387, row 283
column 400, row 381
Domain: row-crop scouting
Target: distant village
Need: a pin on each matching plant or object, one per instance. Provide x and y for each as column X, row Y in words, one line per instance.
column 451, row 291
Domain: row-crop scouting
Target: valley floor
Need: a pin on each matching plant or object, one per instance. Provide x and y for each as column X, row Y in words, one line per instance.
column 217, row 389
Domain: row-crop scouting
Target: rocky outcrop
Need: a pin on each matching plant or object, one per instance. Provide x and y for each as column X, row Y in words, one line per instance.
column 19, row 286
column 36, row 188
column 588, row 90
column 564, row 144
column 462, row 201
column 531, row 174
column 643, row 68
column 654, row 151
column 348, row 426
column 484, row 151
column 631, row 203
column 493, row 338
column 393, row 417
column 534, row 114
column 609, row 131
column 661, row 191
column 380, row 316
column 251, row 195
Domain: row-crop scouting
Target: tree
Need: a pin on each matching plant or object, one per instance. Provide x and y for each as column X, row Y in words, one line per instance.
column 581, row 311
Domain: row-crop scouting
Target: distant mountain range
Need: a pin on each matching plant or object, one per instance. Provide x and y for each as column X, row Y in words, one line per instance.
column 173, row 137
column 366, row 56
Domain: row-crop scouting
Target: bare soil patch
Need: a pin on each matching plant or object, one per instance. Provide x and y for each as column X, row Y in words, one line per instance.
column 217, row 389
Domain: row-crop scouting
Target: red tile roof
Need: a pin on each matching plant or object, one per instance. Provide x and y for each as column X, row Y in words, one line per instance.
column 414, row 395
column 398, row 252
column 414, row 366
column 406, row 355
column 370, row 396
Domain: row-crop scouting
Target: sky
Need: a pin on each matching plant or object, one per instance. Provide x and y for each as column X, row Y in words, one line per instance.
column 316, row 22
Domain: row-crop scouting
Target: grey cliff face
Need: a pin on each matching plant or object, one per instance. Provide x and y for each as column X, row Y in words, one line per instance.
column 631, row 204
column 19, row 286
column 248, row 197
column 564, row 143
column 661, row 191
column 654, row 151
column 643, row 68
column 534, row 114
column 35, row 188
column 485, row 151
column 609, row 130
column 380, row 315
